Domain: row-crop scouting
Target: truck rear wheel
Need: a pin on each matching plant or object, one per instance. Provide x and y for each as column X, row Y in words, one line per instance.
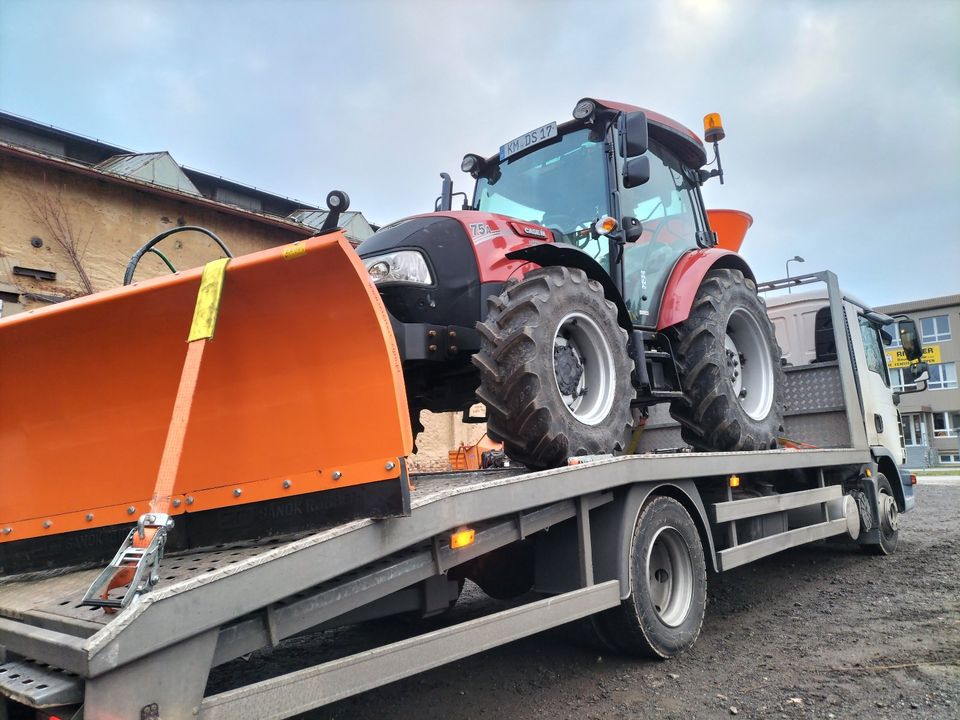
column 730, row 371
column 554, row 370
column 663, row 614
column 889, row 519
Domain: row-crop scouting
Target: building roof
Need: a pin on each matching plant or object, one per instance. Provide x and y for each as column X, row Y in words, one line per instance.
column 944, row 301
column 159, row 168
column 78, row 149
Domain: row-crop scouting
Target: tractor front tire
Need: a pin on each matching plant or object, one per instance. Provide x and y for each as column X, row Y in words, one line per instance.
column 554, row 370
column 730, row 372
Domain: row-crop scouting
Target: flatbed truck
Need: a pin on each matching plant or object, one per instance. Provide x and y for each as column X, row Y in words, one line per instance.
column 626, row 541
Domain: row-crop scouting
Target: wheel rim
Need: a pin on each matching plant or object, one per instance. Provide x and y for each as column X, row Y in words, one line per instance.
column 748, row 364
column 889, row 514
column 583, row 368
column 670, row 576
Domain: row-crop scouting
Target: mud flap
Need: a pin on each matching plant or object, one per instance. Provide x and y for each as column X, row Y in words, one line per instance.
column 300, row 394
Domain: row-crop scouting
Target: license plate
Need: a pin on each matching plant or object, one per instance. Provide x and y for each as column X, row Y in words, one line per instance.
column 534, row 137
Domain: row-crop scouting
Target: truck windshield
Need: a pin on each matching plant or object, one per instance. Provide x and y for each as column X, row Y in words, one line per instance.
column 562, row 186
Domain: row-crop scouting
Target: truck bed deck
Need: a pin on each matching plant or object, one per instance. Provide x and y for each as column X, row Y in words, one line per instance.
column 42, row 617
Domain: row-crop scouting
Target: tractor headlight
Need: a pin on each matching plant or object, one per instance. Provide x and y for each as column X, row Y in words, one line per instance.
column 401, row 266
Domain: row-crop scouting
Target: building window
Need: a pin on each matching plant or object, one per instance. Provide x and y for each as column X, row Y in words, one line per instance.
column 935, row 329
column 943, row 376
column 896, row 380
column 914, row 429
column 891, row 330
column 946, row 424
column 950, row 458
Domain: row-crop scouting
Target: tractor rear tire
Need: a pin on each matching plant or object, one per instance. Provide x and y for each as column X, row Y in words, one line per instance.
column 730, row 372
column 554, row 370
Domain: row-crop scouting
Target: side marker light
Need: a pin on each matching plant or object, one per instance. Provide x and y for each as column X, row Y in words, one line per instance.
column 462, row 538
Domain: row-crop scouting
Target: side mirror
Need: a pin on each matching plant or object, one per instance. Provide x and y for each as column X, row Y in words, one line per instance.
column 632, row 127
column 910, row 339
column 636, row 171
column 920, row 372
column 915, row 378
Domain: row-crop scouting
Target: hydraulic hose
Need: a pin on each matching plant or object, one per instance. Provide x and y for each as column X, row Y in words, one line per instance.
column 148, row 247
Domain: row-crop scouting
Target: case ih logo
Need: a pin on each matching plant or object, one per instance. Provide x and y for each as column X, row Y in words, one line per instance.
column 534, row 231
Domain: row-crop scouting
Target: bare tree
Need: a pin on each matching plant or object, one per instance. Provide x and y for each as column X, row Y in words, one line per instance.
column 49, row 209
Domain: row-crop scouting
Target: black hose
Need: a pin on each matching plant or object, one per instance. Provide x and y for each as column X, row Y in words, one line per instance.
column 135, row 260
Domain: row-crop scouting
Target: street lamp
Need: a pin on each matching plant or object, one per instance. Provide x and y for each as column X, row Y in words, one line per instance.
column 795, row 258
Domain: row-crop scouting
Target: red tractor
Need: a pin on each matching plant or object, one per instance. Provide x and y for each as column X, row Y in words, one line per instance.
column 581, row 285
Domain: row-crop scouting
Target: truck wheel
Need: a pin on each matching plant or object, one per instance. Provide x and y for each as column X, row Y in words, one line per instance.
column 663, row 614
column 730, row 371
column 554, row 370
column 889, row 519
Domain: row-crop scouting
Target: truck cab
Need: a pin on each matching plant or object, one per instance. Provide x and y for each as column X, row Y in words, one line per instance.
column 804, row 326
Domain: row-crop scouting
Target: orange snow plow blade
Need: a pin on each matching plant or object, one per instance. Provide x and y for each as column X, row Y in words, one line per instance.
column 730, row 226
column 299, row 415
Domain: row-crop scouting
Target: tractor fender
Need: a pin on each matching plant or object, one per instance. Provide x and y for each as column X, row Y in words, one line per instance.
column 686, row 278
column 555, row 255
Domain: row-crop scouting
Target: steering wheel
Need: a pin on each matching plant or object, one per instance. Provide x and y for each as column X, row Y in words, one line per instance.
column 557, row 221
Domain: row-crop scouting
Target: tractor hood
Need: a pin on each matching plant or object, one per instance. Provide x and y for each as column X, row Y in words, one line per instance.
column 442, row 235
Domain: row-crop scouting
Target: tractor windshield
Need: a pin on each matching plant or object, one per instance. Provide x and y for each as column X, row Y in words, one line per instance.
column 562, row 186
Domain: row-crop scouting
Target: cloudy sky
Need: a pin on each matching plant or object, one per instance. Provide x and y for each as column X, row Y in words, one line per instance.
column 842, row 118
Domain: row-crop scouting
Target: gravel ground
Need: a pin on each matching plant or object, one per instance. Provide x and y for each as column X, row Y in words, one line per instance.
column 818, row 632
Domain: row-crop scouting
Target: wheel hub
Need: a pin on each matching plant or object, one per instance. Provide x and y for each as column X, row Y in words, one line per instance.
column 889, row 513
column 748, row 364
column 568, row 366
column 670, row 576
column 583, row 368
column 734, row 360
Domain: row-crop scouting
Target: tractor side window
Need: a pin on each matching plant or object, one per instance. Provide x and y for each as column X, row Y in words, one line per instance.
column 666, row 207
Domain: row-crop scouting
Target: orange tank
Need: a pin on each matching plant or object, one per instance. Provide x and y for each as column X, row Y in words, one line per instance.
column 730, row 226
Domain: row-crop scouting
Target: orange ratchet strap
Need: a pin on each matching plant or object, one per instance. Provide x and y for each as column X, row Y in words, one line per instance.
column 136, row 562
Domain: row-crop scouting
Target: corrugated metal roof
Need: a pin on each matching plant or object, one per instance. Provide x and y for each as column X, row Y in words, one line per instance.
column 158, row 167
column 353, row 223
column 315, row 218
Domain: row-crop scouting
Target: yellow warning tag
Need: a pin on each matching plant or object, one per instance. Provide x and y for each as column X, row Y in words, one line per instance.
column 294, row 250
column 208, row 300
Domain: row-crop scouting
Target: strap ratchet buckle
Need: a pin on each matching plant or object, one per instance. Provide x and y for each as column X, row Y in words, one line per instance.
column 136, row 564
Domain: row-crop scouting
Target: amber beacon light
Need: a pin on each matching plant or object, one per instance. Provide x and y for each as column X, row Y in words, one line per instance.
column 713, row 128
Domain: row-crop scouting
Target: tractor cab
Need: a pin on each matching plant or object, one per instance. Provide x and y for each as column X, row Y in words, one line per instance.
column 635, row 222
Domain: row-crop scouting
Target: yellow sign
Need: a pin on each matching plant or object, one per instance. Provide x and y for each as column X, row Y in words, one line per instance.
column 898, row 359
column 293, row 250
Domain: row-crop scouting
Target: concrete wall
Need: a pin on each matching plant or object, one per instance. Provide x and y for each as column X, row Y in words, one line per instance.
column 110, row 220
